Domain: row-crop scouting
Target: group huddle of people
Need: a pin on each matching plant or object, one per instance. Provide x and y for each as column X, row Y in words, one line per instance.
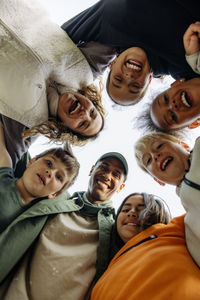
column 54, row 245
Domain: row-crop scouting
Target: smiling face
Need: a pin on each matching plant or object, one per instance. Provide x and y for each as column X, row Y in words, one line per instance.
column 177, row 107
column 165, row 160
column 128, row 224
column 78, row 113
column 43, row 177
column 107, row 177
column 130, row 76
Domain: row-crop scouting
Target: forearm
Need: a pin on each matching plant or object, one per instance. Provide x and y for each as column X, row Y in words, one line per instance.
column 5, row 159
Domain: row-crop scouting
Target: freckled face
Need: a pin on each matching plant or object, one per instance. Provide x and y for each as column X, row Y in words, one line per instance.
column 78, row 113
column 177, row 107
column 165, row 160
column 128, row 224
column 45, row 176
column 130, row 75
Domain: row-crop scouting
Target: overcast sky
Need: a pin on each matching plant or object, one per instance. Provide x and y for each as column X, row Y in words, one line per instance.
column 118, row 134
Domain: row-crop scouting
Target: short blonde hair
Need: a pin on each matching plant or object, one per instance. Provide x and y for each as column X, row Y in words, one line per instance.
column 57, row 132
column 142, row 143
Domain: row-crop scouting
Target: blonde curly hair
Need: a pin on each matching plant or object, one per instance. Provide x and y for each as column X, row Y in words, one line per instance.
column 57, row 132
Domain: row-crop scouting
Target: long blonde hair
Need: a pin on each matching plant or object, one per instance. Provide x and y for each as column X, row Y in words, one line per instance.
column 57, row 132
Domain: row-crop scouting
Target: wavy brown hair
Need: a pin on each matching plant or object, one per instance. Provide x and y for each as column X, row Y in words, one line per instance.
column 57, row 132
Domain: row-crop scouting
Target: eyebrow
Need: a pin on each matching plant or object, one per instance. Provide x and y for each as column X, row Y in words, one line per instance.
column 158, row 101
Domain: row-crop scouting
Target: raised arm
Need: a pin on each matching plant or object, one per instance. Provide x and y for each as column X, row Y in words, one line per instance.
column 190, row 196
column 5, row 159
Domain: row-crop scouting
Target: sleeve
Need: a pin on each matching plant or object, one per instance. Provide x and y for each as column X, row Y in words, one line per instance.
column 194, row 61
column 189, row 192
column 10, row 201
column 15, row 145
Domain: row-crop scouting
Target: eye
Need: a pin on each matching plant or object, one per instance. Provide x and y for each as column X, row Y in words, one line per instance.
column 173, row 116
column 125, row 210
column 148, row 161
column 159, row 146
column 81, row 125
column 118, row 79
column 59, row 177
column 92, row 113
column 49, row 163
column 116, row 175
column 166, row 99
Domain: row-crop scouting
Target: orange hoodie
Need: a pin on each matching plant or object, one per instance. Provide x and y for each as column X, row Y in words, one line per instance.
column 159, row 267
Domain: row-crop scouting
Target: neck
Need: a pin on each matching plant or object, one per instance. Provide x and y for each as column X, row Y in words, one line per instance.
column 26, row 197
column 94, row 199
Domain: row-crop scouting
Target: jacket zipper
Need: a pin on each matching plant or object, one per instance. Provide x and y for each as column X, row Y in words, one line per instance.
column 151, row 237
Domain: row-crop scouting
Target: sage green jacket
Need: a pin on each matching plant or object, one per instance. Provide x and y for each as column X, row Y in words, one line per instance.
column 23, row 231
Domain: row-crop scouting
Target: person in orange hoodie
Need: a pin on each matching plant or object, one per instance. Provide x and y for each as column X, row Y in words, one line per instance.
column 154, row 262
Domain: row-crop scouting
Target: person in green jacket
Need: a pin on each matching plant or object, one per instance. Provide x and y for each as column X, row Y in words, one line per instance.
column 73, row 239
column 45, row 176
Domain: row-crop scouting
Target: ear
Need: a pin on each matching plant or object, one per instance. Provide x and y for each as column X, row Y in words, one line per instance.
column 179, row 81
column 150, row 77
column 32, row 160
column 112, row 63
column 51, row 196
column 121, row 187
column 91, row 170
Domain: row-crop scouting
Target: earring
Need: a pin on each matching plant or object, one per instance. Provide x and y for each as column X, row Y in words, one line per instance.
column 194, row 124
column 160, row 182
column 185, row 145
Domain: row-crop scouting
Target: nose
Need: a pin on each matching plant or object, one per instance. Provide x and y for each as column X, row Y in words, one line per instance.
column 174, row 105
column 107, row 176
column 85, row 113
column 133, row 213
column 156, row 156
column 48, row 173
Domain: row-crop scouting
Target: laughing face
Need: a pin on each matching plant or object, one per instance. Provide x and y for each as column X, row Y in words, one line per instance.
column 128, row 224
column 130, row 76
column 78, row 113
column 165, row 160
column 177, row 107
column 43, row 177
column 107, row 177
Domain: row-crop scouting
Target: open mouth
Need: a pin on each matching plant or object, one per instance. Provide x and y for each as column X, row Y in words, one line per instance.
column 185, row 99
column 132, row 224
column 165, row 162
column 74, row 107
column 103, row 184
column 42, row 179
column 133, row 65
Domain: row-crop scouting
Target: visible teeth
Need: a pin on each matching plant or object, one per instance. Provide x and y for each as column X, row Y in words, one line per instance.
column 133, row 66
column 132, row 224
column 75, row 107
column 185, row 100
column 165, row 163
column 102, row 183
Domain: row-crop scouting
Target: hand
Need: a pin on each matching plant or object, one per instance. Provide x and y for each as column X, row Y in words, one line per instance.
column 191, row 39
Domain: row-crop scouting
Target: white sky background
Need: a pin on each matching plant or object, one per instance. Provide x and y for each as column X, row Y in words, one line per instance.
column 118, row 134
